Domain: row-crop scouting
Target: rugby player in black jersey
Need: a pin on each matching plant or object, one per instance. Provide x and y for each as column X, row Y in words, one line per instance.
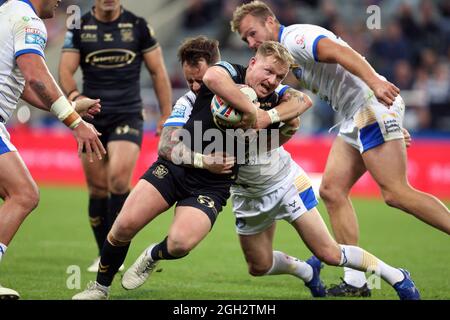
column 110, row 47
column 199, row 183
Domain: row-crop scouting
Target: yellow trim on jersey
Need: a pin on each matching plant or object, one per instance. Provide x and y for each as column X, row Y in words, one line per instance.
column 365, row 117
column 302, row 183
column 156, row 45
column 70, row 50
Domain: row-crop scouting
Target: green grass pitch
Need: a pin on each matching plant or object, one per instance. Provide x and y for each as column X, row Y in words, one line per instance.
column 57, row 235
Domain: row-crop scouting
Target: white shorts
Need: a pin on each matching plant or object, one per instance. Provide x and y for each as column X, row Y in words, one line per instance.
column 373, row 125
column 290, row 201
column 5, row 143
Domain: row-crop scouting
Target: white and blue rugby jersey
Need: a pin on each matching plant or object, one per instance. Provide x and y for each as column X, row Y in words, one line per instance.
column 344, row 91
column 21, row 32
column 181, row 110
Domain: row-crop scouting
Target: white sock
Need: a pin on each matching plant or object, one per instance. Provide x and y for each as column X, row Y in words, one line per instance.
column 2, row 250
column 284, row 264
column 354, row 277
column 357, row 258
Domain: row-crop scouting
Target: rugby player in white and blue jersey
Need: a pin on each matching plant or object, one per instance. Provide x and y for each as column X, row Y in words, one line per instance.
column 24, row 74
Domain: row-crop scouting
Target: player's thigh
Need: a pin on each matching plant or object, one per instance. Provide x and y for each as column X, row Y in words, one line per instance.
column 96, row 175
column 314, row 233
column 15, row 179
column 257, row 248
column 143, row 204
column 387, row 164
column 189, row 227
column 120, row 165
column 344, row 167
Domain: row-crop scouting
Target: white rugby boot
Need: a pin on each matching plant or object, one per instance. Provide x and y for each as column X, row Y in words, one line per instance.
column 8, row 294
column 94, row 291
column 139, row 272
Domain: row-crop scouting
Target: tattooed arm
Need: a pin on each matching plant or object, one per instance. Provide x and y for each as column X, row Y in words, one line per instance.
column 173, row 149
column 293, row 103
column 41, row 86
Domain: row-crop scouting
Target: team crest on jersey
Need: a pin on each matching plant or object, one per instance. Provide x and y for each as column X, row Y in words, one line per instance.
column 127, row 35
column 160, row 171
column 35, row 36
column 26, row 19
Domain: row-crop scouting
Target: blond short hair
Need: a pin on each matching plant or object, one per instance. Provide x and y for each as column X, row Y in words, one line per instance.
column 256, row 8
column 276, row 50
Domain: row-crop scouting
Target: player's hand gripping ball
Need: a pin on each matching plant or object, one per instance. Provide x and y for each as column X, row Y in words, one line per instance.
column 225, row 115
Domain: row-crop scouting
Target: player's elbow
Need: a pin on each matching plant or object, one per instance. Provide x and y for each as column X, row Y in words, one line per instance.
column 308, row 102
column 34, row 82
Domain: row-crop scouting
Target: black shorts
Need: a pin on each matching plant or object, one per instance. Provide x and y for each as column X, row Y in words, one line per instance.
column 119, row 126
column 170, row 181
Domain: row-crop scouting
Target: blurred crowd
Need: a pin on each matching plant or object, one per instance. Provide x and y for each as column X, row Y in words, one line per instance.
column 411, row 49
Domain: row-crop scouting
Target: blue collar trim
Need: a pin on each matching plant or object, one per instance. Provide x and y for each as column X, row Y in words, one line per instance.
column 280, row 33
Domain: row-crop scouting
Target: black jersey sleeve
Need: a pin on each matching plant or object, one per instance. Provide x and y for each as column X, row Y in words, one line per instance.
column 236, row 71
column 72, row 41
column 147, row 38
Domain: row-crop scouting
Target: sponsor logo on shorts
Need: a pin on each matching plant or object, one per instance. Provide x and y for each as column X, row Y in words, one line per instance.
column 160, row 171
column 391, row 123
column 206, row 201
column 126, row 129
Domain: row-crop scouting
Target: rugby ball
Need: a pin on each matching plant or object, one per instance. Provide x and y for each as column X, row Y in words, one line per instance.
column 226, row 115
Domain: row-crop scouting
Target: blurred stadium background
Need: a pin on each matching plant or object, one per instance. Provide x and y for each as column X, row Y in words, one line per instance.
column 412, row 49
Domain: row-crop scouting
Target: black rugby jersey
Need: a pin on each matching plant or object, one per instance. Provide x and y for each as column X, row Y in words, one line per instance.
column 111, row 56
column 201, row 113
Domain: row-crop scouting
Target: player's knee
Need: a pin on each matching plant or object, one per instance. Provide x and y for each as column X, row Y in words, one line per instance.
column 179, row 246
column 259, row 269
column 125, row 228
column 119, row 185
column 329, row 193
column 98, row 193
column 27, row 199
